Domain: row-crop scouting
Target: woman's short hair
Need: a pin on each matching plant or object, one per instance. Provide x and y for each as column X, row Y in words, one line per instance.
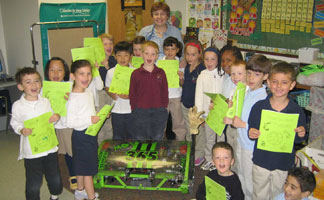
column 160, row 6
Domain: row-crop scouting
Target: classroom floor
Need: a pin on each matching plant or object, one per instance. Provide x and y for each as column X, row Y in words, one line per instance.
column 12, row 182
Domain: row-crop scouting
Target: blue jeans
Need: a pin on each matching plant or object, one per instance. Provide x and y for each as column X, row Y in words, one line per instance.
column 35, row 169
column 149, row 124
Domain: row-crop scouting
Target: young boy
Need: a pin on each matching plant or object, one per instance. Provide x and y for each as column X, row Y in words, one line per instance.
column 148, row 96
column 223, row 159
column 270, row 168
column 29, row 106
column 121, row 113
column 299, row 184
column 257, row 69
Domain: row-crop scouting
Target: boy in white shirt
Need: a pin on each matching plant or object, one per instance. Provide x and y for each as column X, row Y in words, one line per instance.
column 29, row 106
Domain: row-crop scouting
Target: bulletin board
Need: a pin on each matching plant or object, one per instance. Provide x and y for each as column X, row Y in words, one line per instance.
column 283, row 26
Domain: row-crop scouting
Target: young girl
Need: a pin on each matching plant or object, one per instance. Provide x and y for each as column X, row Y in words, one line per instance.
column 193, row 56
column 81, row 114
column 137, row 45
column 172, row 47
column 57, row 70
column 210, row 80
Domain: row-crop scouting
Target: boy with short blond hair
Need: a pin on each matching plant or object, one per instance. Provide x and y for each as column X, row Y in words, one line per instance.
column 148, row 96
column 270, row 168
column 30, row 105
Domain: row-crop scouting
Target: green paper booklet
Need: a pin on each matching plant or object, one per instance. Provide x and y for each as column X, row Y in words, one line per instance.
column 97, row 44
column 43, row 137
column 238, row 100
column 214, row 190
column 137, row 61
column 277, row 131
column 216, row 115
column 103, row 113
column 55, row 92
column 86, row 53
column 121, row 80
column 171, row 68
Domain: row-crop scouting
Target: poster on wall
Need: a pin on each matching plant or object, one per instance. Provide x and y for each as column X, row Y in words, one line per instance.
column 242, row 17
column 133, row 23
column 176, row 19
column 204, row 14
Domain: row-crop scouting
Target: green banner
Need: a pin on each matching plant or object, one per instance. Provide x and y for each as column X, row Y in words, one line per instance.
column 56, row 12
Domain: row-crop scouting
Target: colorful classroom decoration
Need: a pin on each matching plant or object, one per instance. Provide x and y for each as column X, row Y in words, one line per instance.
column 171, row 68
column 86, row 53
column 97, row 44
column 216, row 115
column 242, row 17
column 121, row 80
column 43, row 137
column 277, row 139
column 93, row 130
column 176, row 19
column 214, row 190
column 238, row 100
column 219, row 38
column 56, row 92
column 137, row 61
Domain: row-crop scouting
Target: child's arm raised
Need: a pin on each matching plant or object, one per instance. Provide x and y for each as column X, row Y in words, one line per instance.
column 238, row 123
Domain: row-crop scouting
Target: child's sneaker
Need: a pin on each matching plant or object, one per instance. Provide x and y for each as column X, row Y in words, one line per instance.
column 207, row 166
column 199, row 161
column 82, row 194
column 54, row 197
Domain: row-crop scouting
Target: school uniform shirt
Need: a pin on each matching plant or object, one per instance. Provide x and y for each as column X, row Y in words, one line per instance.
column 23, row 110
column 228, row 86
column 95, row 85
column 189, row 85
column 175, row 92
column 210, row 82
column 149, row 33
column 148, row 89
column 250, row 99
column 122, row 106
column 80, row 108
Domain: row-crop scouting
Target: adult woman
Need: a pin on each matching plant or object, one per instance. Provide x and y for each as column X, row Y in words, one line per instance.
column 160, row 29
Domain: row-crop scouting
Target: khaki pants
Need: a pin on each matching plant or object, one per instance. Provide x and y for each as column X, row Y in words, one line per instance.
column 244, row 169
column 232, row 134
column 200, row 137
column 178, row 123
column 267, row 184
column 106, row 130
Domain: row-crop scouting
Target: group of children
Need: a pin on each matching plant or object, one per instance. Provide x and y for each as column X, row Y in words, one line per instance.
column 142, row 115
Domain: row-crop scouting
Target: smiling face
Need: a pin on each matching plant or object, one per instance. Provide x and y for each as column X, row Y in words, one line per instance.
column 255, row 79
column 170, row 52
column 82, row 78
column 160, row 17
column 192, row 55
column 108, row 46
column 123, row 58
column 227, row 60
column 137, row 50
column 223, row 161
column 210, row 60
column 280, row 84
column 238, row 74
column 150, row 55
column 56, row 71
column 292, row 189
column 30, row 85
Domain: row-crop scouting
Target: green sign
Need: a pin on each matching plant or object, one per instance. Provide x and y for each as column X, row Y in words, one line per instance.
column 97, row 44
column 216, row 115
column 103, row 113
column 214, row 190
column 137, row 61
column 171, row 68
column 238, row 100
column 121, row 80
column 86, row 53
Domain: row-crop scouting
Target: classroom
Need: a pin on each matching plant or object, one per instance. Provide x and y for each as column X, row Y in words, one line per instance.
column 197, row 82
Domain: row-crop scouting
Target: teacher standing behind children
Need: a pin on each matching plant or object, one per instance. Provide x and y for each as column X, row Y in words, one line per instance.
column 160, row 29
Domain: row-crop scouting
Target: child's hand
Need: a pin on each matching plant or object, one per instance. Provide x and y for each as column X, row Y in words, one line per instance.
column 26, row 131
column 227, row 100
column 230, row 103
column 105, row 63
column 300, row 131
column 211, row 106
column 66, row 97
column 123, row 96
column 108, row 116
column 254, row 133
column 238, row 123
column 181, row 74
column 54, row 118
column 114, row 96
column 95, row 119
column 227, row 120
column 97, row 65
column 183, row 63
